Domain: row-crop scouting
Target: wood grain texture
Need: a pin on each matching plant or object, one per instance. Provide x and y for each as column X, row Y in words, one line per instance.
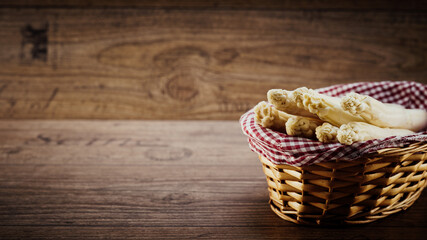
column 150, row 180
column 223, row 4
column 193, row 64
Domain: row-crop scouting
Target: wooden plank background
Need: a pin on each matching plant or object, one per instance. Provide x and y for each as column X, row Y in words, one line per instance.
column 223, row 4
column 105, row 60
column 151, row 180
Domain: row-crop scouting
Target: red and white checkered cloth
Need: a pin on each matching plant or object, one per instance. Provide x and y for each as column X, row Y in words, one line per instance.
column 280, row 148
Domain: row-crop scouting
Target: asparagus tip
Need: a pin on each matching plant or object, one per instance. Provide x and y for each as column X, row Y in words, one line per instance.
column 327, row 133
column 353, row 103
column 277, row 97
column 263, row 114
column 313, row 102
column 298, row 96
column 347, row 134
column 301, row 126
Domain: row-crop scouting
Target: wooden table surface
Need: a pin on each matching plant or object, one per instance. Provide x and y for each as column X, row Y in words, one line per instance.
column 150, row 179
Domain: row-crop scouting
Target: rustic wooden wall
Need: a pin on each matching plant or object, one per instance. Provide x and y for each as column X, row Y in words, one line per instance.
column 195, row 60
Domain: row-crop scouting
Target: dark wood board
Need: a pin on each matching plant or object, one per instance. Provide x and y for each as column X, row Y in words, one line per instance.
column 150, row 180
column 147, row 63
column 222, row 4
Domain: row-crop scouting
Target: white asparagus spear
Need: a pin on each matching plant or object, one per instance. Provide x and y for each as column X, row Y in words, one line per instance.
column 327, row 133
column 360, row 131
column 325, row 107
column 302, row 126
column 281, row 99
column 298, row 96
column 269, row 117
column 383, row 114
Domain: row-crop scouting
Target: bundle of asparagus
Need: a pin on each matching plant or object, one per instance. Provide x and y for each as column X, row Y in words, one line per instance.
column 353, row 118
column 270, row 117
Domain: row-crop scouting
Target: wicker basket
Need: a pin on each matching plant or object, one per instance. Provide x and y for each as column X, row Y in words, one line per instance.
column 355, row 192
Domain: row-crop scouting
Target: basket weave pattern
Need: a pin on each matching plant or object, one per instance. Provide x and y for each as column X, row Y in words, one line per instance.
column 352, row 192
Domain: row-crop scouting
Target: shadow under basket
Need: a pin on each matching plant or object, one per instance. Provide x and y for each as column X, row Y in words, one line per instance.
column 348, row 192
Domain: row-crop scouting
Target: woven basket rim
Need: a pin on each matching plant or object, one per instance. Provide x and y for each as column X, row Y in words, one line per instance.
column 408, row 150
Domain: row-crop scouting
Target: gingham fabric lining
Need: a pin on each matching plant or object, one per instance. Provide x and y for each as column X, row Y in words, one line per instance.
column 280, row 148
